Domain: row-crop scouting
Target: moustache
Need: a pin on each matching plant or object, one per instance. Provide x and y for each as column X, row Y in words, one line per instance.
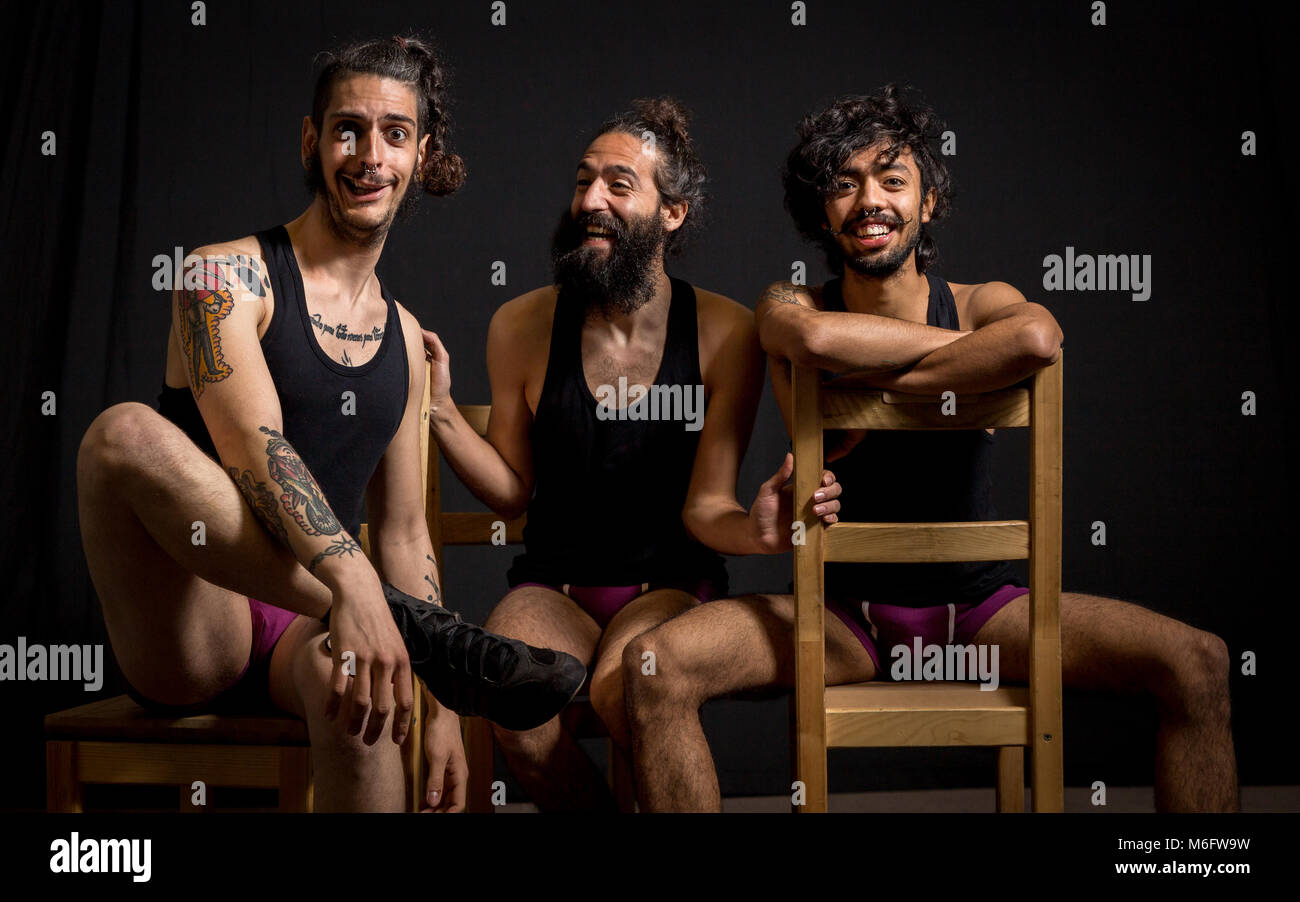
column 892, row 221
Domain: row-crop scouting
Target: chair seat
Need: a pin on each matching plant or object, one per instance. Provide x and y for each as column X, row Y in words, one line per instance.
column 880, row 714
column 120, row 719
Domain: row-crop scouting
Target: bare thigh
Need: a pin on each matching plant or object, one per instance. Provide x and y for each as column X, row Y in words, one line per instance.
column 1105, row 643
column 177, row 638
column 547, row 619
column 745, row 646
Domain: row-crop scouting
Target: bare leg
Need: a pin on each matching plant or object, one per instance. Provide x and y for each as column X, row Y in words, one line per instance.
column 644, row 613
column 715, row 649
column 1114, row 645
column 176, row 611
column 348, row 774
column 550, row 764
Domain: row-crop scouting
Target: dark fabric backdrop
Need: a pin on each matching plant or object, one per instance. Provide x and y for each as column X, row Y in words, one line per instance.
column 1121, row 139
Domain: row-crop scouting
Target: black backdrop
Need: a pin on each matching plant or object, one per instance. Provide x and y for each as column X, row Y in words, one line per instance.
column 1123, row 138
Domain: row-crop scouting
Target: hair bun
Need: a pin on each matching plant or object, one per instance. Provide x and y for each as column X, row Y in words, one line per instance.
column 665, row 112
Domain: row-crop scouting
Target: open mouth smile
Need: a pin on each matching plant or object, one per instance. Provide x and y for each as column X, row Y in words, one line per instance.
column 363, row 191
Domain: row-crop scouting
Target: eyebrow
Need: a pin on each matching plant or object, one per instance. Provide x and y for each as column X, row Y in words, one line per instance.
column 893, row 165
column 616, row 167
column 391, row 117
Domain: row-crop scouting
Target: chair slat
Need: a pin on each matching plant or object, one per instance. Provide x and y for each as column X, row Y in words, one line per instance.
column 858, row 409
column 992, row 540
column 476, row 528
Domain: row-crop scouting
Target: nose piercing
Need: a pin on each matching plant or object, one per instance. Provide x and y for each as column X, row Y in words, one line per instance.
column 367, row 169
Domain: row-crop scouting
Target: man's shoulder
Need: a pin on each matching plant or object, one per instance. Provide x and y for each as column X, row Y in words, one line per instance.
column 247, row 247
column 712, row 306
column 976, row 301
column 411, row 330
column 528, row 312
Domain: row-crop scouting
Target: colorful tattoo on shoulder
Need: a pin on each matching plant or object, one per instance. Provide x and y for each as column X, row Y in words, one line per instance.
column 302, row 498
column 207, row 297
column 262, row 502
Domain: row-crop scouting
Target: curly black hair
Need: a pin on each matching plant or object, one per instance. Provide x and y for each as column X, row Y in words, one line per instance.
column 413, row 61
column 679, row 175
column 828, row 139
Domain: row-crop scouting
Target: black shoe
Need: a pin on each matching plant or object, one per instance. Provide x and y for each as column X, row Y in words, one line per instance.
column 474, row 672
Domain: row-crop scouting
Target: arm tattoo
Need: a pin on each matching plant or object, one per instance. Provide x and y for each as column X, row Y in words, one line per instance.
column 343, row 545
column 300, row 489
column 429, row 578
column 262, row 501
column 206, row 299
column 783, row 293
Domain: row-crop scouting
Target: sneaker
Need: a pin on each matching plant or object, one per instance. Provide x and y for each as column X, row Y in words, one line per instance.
column 477, row 673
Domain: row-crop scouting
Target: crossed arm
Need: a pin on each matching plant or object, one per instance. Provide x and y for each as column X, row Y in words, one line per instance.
column 1011, row 339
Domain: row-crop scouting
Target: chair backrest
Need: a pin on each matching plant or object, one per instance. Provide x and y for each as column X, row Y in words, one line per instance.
column 1035, row 404
column 465, row 527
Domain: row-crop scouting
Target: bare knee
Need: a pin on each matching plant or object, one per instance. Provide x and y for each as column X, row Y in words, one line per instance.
column 1197, row 680
column 312, row 670
column 115, row 440
column 533, row 745
column 655, row 676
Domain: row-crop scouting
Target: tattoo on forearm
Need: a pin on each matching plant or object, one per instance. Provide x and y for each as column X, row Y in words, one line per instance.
column 343, row 545
column 206, row 298
column 343, row 333
column 782, row 292
column 262, row 502
column 302, row 498
column 430, row 578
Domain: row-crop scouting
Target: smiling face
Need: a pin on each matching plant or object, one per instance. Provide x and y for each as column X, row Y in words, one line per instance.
column 609, row 244
column 363, row 160
column 874, row 211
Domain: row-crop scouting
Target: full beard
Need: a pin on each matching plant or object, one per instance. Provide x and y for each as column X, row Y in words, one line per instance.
column 617, row 282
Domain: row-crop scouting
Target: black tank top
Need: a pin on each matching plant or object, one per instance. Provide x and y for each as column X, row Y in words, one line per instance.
column 340, row 448
column 896, row 476
column 608, row 493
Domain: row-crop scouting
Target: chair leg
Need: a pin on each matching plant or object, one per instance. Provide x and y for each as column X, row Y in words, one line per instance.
column 480, row 756
column 1011, row 779
column 622, row 781
column 295, row 780
column 63, row 791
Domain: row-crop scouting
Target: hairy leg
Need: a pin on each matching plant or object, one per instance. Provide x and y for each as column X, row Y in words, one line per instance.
column 1114, row 645
column 643, row 613
column 176, row 611
column 715, row 649
column 348, row 775
column 547, row 761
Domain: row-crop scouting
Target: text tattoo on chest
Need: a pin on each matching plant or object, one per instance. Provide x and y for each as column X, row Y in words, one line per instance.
column 343, row 333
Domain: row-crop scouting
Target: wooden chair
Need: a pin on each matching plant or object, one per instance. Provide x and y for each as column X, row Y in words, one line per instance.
column 117, row 741
column 882, row 714
column 579, row 718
